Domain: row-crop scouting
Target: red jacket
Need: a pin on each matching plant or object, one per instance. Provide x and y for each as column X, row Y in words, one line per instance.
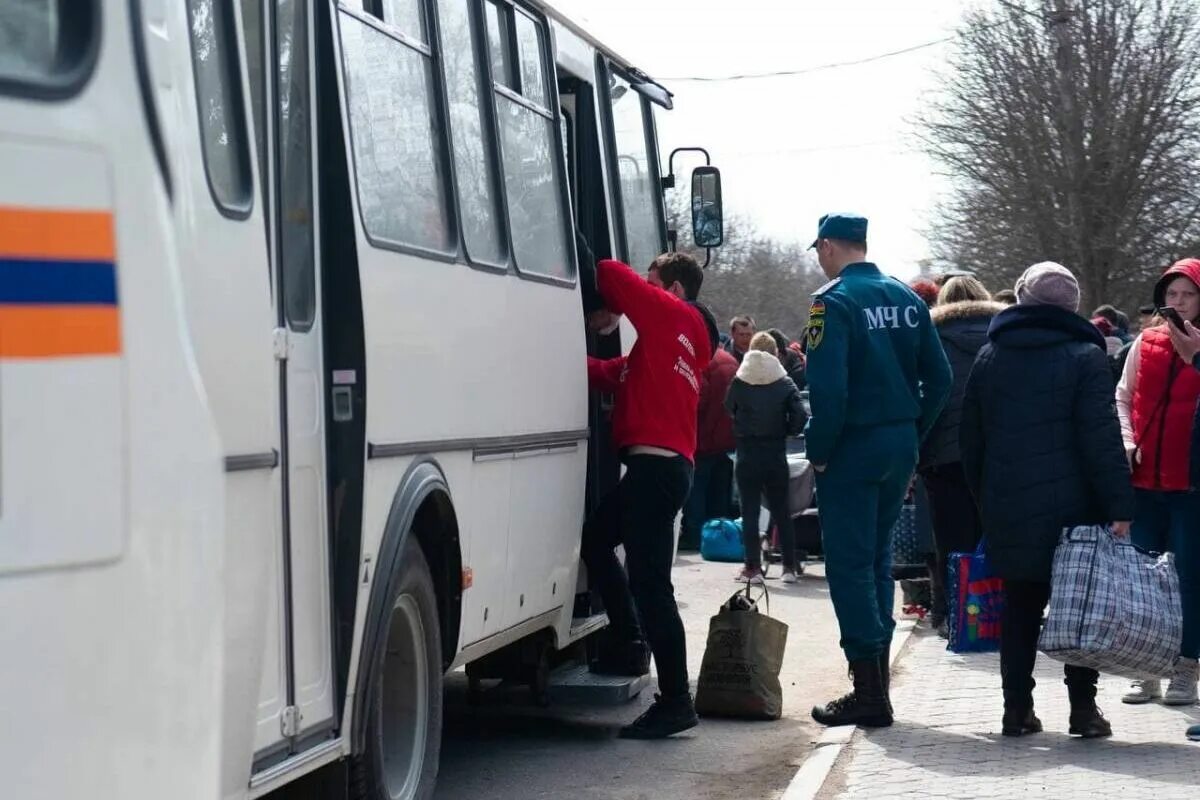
column 716, row 426
column 658, row 383
column 1163, row 414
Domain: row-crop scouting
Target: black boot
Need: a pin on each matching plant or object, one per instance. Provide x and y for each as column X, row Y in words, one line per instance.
column 1086, row 719
column 866, row 706
column 1020, row 721
column 666, row 717
column 885, row 676
column 628, row 659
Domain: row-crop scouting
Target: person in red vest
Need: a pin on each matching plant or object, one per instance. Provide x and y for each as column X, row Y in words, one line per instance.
column 657, row 388
column 1156, row 401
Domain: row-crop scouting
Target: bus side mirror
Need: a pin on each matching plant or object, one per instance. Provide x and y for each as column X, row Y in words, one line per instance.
column 708, row 222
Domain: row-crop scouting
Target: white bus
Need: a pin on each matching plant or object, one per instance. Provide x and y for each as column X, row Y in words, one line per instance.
column 293, row 416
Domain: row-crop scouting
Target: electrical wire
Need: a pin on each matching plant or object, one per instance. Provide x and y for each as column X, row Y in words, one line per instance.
column 787, row 73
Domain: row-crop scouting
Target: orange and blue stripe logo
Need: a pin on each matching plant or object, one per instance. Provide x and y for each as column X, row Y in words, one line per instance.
column 58, row 284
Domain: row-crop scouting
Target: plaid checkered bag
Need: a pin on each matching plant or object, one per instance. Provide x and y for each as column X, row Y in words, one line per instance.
column 1113, row 607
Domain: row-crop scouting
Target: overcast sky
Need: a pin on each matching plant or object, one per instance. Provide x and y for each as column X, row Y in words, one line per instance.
column 792, row 148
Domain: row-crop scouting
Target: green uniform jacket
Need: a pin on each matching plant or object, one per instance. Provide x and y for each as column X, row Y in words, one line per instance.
column 874, row 358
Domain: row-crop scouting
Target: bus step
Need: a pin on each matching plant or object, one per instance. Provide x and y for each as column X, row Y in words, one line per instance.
column 575, row 684
column 586, row 626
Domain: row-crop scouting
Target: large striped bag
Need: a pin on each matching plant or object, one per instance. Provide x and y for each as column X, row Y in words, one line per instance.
column 1113, row 607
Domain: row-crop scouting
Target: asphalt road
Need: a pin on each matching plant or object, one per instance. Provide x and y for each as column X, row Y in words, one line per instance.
column 507, row 748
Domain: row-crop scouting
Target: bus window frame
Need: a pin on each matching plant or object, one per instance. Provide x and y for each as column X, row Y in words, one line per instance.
column 552, row 114
column 438, row 99
column 488, row 121
column 604, row 68
column 244, row 207
column 83, row 46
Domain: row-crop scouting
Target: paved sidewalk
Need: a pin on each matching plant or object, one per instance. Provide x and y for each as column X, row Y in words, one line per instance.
column 946, row 741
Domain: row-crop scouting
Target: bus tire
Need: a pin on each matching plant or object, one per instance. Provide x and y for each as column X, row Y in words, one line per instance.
column 404, row 708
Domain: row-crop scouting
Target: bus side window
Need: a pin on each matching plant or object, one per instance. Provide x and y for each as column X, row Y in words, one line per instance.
column 534, row 183
column 476, row 173
column 47, row 47
column 399, row 150
column 637, row 174
column 219, row 104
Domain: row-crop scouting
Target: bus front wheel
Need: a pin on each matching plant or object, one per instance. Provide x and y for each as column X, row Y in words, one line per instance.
column 404, row 725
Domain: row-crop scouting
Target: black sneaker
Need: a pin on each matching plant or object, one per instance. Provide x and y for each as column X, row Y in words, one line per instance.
column 665, row 718
column 1019, row 723
column 623, row 659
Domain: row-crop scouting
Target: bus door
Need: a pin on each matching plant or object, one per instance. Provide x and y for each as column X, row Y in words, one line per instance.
column 298, row 349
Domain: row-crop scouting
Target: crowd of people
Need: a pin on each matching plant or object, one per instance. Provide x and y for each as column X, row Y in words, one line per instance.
column 1020, row 416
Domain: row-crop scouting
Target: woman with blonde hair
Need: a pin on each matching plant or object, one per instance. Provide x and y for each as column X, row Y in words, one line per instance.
column 962, row 315
column 766, row 409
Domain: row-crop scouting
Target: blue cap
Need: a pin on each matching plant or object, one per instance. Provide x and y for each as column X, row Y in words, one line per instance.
column 847, row 227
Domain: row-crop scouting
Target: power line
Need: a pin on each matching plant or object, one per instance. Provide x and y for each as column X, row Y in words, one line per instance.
column 789, row 72
column 785, row 73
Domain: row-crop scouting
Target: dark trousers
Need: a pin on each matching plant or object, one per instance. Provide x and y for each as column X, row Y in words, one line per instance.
column 1170, row 522
column 956, row 524
column 1024, row 602
column 763, row 470
column 859, row 496
column 711, row 497
column 640, row 513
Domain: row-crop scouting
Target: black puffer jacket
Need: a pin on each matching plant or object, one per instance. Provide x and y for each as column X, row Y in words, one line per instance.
column 1041, row 444
column 764, row 402
column 962, row 329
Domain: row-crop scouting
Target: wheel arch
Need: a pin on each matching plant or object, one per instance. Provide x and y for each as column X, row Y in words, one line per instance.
column 422, row 506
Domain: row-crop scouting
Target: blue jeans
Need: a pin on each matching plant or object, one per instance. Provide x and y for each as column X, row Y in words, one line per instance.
column 1170, row 522
column 710, row 497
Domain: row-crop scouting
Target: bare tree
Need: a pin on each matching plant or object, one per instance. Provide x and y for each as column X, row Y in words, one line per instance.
column 1071, row 132
column 751, row 273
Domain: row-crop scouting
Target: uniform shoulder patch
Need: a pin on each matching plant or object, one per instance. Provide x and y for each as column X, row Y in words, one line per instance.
column 827, row 287
column 815, row 332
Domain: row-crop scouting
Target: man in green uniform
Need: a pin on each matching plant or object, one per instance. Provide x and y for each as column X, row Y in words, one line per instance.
column 878, row 379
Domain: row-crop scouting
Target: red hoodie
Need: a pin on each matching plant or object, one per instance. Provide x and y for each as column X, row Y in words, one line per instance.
column 658, row 383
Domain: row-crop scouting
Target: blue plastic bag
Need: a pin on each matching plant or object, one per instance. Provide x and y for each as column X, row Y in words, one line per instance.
column 975, row 603
column 721, row 540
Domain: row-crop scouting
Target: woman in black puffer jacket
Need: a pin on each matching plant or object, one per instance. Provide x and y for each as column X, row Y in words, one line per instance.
column 1041, row 448
column 766, row 409
column 962, row 315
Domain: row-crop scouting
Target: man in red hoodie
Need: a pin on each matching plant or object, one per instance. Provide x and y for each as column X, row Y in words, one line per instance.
column 657, row 389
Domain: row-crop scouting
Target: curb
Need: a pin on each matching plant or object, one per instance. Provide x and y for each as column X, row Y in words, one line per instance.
column 808, row 780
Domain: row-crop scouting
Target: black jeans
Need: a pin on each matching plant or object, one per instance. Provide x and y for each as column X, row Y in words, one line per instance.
column 1024, row 602
column 956, row 524
column 640, row 513
column 711, row 497
column 762, row 469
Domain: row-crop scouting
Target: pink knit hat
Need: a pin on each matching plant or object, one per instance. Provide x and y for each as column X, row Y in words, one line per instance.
column 1048, row 284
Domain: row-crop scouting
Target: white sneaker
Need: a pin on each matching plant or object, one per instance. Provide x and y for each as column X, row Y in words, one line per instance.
column 1182, row 689
column 790, row 576
column 752, row 575
column 1143, row 692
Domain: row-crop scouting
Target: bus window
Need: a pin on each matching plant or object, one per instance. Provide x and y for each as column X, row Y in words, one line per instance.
column 475, row 167
column 252, row 26
column 502, row 71
column 532, row 162
column 407, row 16
column 46, row 46
column 219, row 103
column 399, row 155
column 294, row 103
column 637, row 178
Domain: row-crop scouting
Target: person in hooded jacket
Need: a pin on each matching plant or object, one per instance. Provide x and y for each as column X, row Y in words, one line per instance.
column 962, row 315
column 766, row 409
column 1041, row 451
column 792, row 361
column 1156, row 400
